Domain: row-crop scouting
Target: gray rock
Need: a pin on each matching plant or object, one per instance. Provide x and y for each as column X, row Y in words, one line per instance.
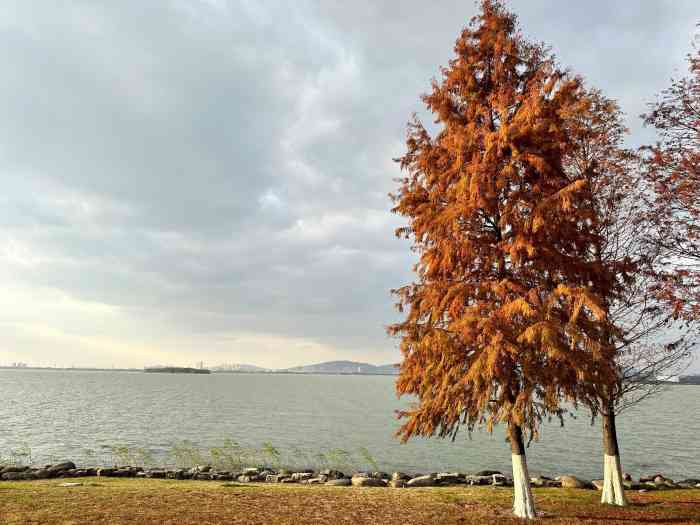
column 488, row 473
column 276, row 478
column 156, row 474
column 298, row 476
column 400, row 475
column 397, row 483
column 421, row 481
column 11, row 476
column 597, row 483
column 479, row 480
column 572, row 482
column 339, row 482
column 105, row 471
column 332, row 474
column 499, row 480
column 367, row 482
column 61, row 467
column 450, row 478
column 288, row 480
column 244, row 479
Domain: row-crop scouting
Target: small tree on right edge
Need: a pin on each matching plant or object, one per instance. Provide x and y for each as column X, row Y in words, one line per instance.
column 647, row 340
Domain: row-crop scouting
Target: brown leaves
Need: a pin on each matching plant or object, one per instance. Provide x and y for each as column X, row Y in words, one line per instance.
column 506, row 316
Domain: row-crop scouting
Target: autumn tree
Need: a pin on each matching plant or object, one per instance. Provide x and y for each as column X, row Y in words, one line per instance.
column 507, row 316
column 673, row 171
column 647, row 340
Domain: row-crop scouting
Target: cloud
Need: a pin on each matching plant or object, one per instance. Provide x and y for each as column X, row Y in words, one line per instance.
column 194, row 180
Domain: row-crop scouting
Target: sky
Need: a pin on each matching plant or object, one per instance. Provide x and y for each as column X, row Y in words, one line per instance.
column 207, row 180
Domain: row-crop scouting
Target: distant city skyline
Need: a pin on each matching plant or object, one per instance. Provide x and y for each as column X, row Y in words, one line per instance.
column 207, row 181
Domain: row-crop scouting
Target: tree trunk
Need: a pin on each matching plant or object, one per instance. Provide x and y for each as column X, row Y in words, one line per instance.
column 523, row 503
column 613, row 488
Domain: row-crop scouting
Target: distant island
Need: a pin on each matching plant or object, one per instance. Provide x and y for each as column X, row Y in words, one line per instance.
column 176, row 370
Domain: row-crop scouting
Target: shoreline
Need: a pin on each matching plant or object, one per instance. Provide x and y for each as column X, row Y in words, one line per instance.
column 331, row 477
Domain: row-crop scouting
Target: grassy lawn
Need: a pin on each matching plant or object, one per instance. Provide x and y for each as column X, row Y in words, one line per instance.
column 113, row 501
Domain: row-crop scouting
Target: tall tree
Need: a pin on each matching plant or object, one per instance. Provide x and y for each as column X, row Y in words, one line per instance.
column 673, row 170
column 507, row 315
column 646, row 340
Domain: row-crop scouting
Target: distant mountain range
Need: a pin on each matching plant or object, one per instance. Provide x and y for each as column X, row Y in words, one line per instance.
column 343, row 367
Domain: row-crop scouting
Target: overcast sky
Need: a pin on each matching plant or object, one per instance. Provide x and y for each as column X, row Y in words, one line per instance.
column 207, row 180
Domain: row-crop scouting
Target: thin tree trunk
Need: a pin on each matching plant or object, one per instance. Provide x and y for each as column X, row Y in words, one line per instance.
column 523, row 502
column 613, row 487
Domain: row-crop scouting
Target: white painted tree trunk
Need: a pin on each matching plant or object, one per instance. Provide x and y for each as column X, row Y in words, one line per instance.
column 613, row 487
column 523, row 502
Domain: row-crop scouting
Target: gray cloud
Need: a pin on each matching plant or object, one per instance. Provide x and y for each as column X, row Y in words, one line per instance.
column 186, row 179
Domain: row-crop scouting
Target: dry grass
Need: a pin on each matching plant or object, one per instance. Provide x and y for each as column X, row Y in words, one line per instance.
column 116, row 501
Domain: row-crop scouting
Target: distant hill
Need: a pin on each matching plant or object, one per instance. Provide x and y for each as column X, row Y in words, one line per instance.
column 343, row 367
column 237, row 367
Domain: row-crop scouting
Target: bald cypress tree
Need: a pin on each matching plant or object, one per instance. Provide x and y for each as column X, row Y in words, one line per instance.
column 507, row 315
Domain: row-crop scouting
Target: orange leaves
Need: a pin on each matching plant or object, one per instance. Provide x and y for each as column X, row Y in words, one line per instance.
column 505, row 316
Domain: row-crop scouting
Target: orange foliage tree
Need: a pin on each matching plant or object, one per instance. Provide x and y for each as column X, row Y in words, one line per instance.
column 674, row 174
column 507, row 316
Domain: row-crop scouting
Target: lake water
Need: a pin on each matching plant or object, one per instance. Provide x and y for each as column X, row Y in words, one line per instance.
column 82, row 415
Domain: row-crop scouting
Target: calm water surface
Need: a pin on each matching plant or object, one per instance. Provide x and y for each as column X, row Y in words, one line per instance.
column 80, row 415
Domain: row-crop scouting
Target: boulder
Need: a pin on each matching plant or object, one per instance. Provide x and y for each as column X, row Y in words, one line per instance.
column 332, row 474
column 400, row 475
column 499, row 480
column 155, row 474
column 105, row 471
column 298, row 476
column 597, row 483
column 488, row 472
column 288, row 480
column 450, row 478
column 276, row 478
column 479, row 480
column 339, row 482
column 42, row 474
column 61, row 467
column 11, row 476
column 367, row 482
column 572, row 482
column 13, row 468
column 380, row 475
column 397, row 483
column 422, row 481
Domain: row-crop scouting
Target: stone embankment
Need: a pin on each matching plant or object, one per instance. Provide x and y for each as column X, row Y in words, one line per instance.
column 67, row 469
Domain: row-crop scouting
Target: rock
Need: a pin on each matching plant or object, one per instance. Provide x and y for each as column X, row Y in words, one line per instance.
column 453, row 478
column 499, row 480
column 155, row 474
column 315, row 481
column 105, row 472
column 42, row 474
column 332, row 474
column 288, row 480
column 253, row 471
column 11, row 476
column 367, row 482
column 626, row 477
column 645, row 479
column 61, row 467
column 298, row 476
column 397, row 483
column 13, row 469
column 400, row 475
column 276, row 478
column 660, row 479
column 479, row 480
column 71, row 485
column 339, row 482
column 572, row 482
column 421, row 481
column 598, row 484
column 488, row 473
column 380, row 475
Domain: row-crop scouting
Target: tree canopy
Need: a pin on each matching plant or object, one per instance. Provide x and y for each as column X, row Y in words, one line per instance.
column 508, row 313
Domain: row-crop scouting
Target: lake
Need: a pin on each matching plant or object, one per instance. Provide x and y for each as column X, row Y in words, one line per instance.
column 82, row 416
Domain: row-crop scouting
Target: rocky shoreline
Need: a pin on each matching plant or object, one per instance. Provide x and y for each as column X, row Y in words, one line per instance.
column 68, row 469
